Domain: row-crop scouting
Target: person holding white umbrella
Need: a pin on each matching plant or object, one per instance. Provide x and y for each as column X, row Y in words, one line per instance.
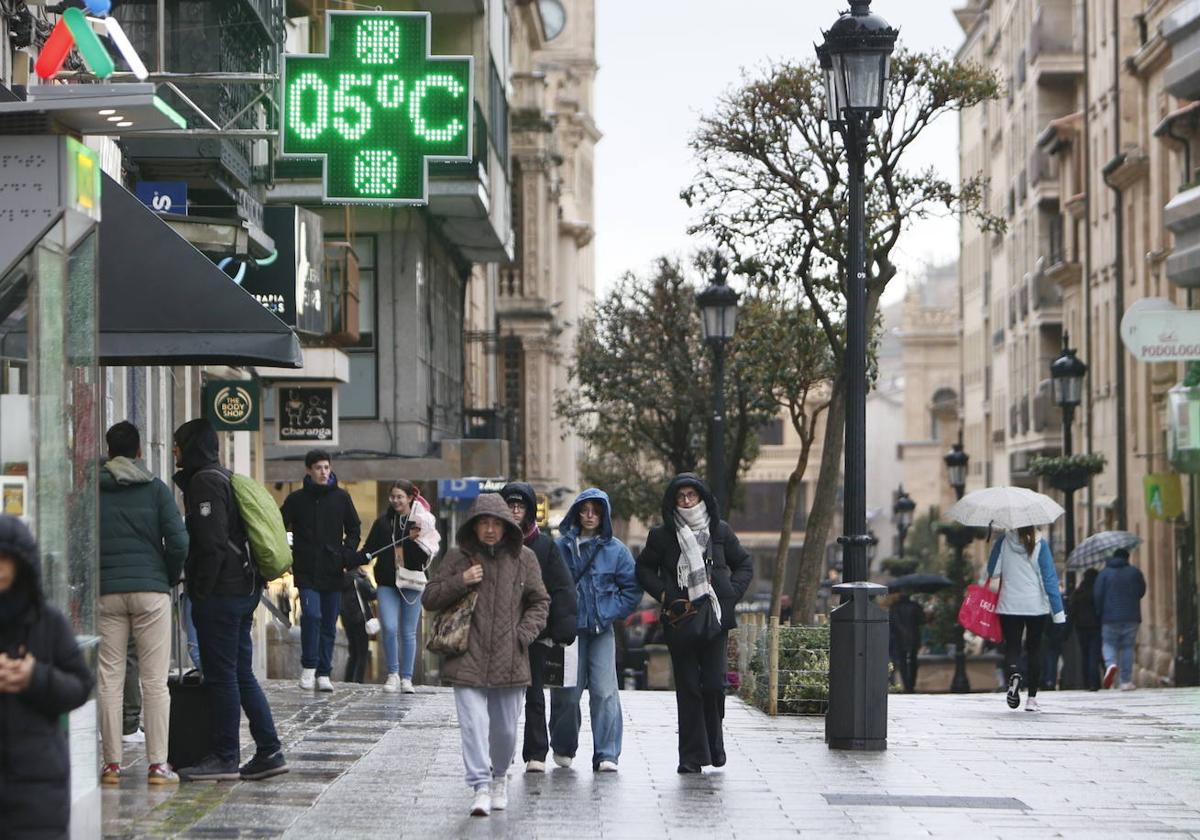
column 1028, row 580
column 1028, row 593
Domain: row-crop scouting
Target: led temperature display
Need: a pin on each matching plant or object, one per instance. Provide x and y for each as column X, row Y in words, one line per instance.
column 377, row 107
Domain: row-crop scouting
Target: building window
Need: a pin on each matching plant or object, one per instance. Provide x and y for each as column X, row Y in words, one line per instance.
column 762, row 508
column 772, row 433
column 358, row 399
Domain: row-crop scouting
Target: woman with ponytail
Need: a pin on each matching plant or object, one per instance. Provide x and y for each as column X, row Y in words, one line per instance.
column 1028, row 594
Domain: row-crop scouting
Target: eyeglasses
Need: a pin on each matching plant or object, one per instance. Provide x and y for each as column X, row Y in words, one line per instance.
column 687, row 496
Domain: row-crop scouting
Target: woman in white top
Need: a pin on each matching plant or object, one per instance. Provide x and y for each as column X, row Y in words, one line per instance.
column 1028, row 593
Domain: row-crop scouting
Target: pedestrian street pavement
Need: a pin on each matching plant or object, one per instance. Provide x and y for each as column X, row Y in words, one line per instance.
column 367, row 764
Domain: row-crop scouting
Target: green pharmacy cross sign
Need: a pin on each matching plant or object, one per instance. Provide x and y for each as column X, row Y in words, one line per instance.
column 377, row 107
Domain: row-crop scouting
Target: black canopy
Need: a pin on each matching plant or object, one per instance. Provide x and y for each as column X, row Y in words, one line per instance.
column 164, row 302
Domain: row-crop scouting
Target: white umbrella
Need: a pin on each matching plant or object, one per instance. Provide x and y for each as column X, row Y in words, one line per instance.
column 1005, row 507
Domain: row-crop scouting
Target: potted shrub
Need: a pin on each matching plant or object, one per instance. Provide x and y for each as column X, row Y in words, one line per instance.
column 1068, row 472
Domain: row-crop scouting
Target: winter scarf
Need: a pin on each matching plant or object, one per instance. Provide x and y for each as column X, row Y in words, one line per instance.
column 691, row 527
column 532, row 533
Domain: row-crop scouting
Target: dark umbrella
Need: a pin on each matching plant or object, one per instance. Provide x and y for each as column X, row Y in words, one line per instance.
column 920, row 582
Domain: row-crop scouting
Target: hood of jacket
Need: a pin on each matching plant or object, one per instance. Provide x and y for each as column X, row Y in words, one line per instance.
column 490, row 504
column 16, row 540
column 570, row 523
column 198, row 446
column 525, row 491
column 689, row 480
column 120, row 472
column 1116, row 562
column 311, row 486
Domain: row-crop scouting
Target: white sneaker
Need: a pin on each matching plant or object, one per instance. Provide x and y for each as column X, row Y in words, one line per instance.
column 499, row 794
column 482, row 806
column 392, row 683
column 535, row 766
column 308, row 678
column 1031, row 705
column 406, row 687
column 136, row 737
column 563, row 760
column 1128, row 687
column 324, row 684
column 607, row 767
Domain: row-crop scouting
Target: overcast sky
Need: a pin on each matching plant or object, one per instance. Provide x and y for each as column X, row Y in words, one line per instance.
column 664, row 62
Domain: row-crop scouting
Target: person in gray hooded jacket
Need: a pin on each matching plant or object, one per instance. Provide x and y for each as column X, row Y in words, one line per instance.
column 143, row 543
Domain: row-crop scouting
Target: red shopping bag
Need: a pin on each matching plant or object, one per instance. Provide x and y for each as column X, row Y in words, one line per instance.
column 978, row 612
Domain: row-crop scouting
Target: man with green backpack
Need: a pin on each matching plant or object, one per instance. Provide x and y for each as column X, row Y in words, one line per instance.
column 230, row 547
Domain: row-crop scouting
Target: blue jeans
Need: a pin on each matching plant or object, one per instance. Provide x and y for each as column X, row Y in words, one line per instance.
column 400, row 614
column 226, row 653
column 598, row 674
column 1119, row 638
column 318, row 629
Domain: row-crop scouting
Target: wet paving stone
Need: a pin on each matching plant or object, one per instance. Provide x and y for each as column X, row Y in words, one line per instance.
column 367, row 764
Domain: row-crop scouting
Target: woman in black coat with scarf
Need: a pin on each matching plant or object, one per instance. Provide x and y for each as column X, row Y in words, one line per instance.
column 695, row 567
column 42, row 677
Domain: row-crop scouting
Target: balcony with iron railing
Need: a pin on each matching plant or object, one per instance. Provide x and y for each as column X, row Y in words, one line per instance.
column 1058, row 267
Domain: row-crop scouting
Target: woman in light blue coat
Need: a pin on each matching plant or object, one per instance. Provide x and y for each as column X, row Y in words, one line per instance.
column 1028, row 594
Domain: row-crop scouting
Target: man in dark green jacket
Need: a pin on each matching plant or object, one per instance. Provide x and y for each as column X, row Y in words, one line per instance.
column 143, row 543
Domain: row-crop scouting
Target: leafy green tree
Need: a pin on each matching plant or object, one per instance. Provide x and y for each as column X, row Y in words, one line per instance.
column 771, row 187
column 644, row 398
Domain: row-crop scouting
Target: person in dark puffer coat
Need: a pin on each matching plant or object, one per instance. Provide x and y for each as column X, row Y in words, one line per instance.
column 42, row 677
column 560, row 628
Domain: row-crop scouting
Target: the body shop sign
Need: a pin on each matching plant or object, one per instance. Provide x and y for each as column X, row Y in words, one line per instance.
column 1155, row 330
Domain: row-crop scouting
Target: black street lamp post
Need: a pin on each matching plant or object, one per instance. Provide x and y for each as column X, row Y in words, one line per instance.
column 718, row 317
column 959, row 537
column 902, row 515
column 1066, row 376
column 855, row 59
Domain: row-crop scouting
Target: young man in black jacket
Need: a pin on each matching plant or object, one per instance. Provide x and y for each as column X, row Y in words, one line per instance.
column 325, row 535
column 560, row 626
column 224, row 587
column 42, row 677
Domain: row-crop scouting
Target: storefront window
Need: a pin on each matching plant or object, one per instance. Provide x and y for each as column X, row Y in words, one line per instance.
column 49, row 413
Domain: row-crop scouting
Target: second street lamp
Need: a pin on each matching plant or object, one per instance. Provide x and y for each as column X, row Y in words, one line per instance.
column 1066, row 376
column 854, row 61
column 718, row 318
column 902, row 515
column 959, row 537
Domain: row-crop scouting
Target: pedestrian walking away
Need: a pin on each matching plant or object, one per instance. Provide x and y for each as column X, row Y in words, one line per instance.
column 905, row 619
column 143, row 545
column 693, row 564
column 490, row 676
column 224, row 586
column 1029, row 593
column 357, row 596
column 560, row 627
column 607, row 591
column 1086, row 620
column 405, row 540
column 1119, row 591
column 43, row 676
column 325, row 535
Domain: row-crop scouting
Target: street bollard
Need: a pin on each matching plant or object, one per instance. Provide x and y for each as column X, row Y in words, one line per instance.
column 858, row 670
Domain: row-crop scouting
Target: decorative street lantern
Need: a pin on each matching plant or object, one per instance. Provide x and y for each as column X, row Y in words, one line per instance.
column 1066, row 374
column 959, row 537
column 902, row 515
column 956, row 466
column 718, row 318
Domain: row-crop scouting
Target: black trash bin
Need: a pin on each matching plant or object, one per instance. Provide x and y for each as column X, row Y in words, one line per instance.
column 858, row 670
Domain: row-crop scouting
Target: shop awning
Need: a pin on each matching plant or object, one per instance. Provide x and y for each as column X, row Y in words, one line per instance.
column 163, row 302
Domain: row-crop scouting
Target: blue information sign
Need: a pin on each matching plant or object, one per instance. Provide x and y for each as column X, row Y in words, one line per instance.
column 163, row 196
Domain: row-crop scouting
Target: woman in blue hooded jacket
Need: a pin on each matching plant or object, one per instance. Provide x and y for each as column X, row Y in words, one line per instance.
column 607, row 591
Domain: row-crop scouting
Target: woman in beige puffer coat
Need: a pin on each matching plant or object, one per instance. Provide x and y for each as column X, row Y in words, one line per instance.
column 489, row 679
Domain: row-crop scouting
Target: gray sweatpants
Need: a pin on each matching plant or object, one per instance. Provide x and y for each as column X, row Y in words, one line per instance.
column 487, row 720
